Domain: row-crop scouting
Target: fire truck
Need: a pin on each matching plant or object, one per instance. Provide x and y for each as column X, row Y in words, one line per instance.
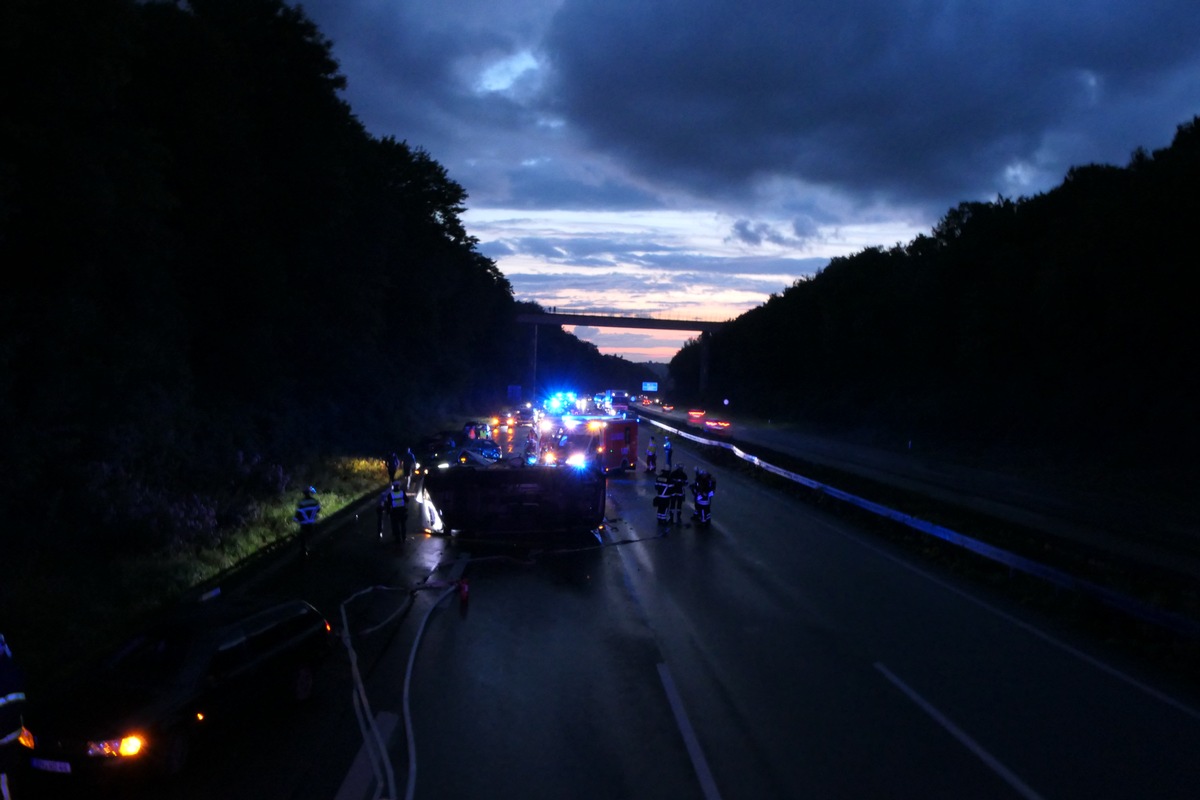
column 608, row 443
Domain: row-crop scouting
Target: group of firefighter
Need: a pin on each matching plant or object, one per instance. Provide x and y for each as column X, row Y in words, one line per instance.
column 670, row 485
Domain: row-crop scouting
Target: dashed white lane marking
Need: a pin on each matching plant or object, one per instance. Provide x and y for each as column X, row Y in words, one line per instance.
column 699, row 763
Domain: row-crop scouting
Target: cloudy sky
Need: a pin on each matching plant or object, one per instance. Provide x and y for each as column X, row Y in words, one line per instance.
column 688, row 158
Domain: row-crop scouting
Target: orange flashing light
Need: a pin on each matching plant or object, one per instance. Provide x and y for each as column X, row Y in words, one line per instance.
column 131, row 746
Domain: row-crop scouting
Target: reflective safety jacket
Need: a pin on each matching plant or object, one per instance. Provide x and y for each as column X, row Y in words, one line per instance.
column 307, row 511
column 396, row 498
column 662, row 487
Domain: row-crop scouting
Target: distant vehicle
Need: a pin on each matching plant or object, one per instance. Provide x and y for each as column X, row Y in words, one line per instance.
column 668, row 407
column 695, row 413
column 207, row 666
column 617, row 401
column 440, row 446
column 525, row 416
column 448, row 447
column 717, row 425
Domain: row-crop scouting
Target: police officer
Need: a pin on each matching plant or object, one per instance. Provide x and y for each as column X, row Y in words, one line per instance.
column 12, row 704
column 667, row 451
column 662, row 498
column 678, row 481
column 394, row 503
column 307, row 512
column 393, row 465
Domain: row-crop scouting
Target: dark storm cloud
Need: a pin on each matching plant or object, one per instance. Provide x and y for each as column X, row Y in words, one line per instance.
column 909, row 102
column 757, row 233
column 550, row 185
column 412, row 69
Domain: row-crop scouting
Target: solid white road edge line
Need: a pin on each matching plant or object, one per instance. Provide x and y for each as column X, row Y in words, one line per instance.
column 958, row 733
column 699, row 763
column 1112, row 671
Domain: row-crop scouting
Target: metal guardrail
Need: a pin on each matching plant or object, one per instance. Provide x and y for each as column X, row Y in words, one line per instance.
column 1111, row 597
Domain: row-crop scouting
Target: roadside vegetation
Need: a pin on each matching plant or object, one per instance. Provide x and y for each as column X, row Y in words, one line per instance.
column 1055, row 327
column 215, row 278
column 72, row 602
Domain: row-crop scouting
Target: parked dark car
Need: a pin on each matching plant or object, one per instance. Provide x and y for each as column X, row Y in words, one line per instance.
column 486, row 448
column 139, row 711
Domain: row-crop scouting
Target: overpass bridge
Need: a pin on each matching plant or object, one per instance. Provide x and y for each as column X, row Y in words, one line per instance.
column 614, row 321
column 704, row 327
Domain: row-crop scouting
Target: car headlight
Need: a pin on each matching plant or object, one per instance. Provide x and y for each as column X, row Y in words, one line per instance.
column 112, row 748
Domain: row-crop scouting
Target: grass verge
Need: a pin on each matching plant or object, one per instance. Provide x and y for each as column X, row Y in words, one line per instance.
column 65, row 606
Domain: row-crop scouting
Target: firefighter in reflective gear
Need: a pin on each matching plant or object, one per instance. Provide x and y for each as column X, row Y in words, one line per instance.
column 394, row 503
column 307, row 512
column 662, row 498
column 12, row 705
column 678, row 488
column 651, row 456
column 704, row 487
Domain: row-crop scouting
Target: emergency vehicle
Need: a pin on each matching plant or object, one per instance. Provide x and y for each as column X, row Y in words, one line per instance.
column 611, row 441
column 617, row 401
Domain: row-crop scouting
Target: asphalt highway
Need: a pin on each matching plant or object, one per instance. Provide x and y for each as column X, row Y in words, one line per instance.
column 780, row 653
column 1136, row 519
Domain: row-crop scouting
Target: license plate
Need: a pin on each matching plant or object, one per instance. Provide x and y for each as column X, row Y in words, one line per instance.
column 50, row 766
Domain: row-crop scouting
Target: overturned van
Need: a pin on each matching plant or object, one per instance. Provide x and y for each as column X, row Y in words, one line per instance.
column 511, row 501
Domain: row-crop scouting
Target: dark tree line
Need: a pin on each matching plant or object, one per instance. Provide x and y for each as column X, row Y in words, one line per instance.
column 215, row 274
column 1063, row 320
